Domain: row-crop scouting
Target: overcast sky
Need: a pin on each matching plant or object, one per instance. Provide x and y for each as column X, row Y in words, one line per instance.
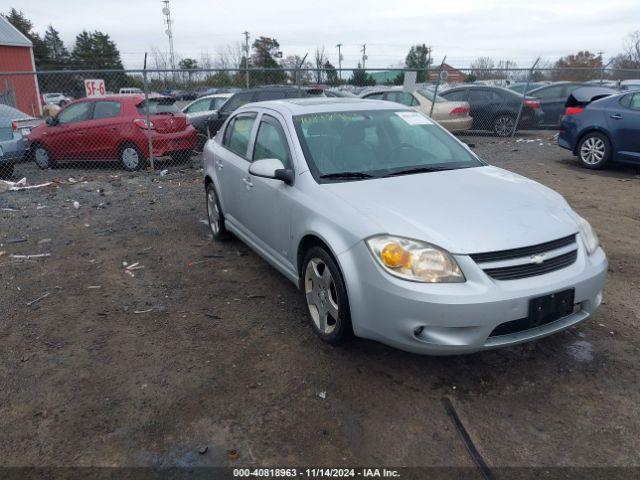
column 518, row 30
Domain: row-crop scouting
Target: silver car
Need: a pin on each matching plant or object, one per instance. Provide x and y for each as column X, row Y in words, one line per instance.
column 396, row 231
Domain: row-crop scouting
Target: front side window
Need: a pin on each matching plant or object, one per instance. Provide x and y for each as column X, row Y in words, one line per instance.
column 456, row 96
column 106, row 110
column 375, row 96
column 429, row 95
column 549, row 92
column 404, row 98
column 634, row 103
column 271, row 142
column 238, row 133
column 218, row 102
column 78, row 112
column 377, row 144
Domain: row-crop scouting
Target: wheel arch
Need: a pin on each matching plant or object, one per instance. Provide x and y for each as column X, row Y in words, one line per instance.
column 309, row 241
column 593, row 129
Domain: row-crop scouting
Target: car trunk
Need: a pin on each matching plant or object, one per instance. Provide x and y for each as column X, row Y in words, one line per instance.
column 443, row 110
column 164, row 115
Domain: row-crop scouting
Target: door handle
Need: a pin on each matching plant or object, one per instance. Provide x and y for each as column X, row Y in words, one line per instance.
column 247, row 182
column 219, row 165
column 616, row 116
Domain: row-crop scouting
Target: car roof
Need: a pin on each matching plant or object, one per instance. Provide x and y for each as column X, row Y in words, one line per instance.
column 215, row 95
column 303, row 106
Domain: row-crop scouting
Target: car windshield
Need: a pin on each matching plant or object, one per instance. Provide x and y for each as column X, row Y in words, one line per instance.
column 365, row 144
column 428, row 94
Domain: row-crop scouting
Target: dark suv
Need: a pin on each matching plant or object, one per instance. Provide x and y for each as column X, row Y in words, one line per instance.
column 259, row 94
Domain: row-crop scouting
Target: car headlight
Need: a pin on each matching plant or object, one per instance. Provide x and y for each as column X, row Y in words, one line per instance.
column 588, row 234
column 414, row 260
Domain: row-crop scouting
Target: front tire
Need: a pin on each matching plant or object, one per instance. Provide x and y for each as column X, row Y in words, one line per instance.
column 594, row 151
column 215, row 215
column 42, row 157
column 326, row 296
column 503, row 125
column 131, row 158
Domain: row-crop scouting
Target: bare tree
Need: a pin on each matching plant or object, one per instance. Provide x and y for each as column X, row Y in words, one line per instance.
column 320, row 60
column 632, row 47
column 231, row 56
column 297, row 70
column 483, row 68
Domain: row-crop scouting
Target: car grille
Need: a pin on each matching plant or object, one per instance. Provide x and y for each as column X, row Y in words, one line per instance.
column 509, row 264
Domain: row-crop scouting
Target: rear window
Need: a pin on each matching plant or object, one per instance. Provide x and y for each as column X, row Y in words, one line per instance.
column 158, row 107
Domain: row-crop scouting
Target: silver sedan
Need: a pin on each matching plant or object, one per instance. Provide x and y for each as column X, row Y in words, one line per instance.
column 395, row 231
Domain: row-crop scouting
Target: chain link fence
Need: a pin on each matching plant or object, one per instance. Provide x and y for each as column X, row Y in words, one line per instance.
column 138, row 119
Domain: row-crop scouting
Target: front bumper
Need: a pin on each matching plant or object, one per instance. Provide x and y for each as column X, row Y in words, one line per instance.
column 459, row 318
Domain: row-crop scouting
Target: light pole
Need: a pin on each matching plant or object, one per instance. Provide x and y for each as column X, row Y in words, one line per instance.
column 364, row 55
column 166, row 11
column 339, row 60
column 246, row 56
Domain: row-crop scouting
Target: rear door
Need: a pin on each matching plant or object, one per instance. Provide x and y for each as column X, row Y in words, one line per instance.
column 235, row 102
column 234, row 161
column 484, row 105
column 102, row 133
column 623, row 118
column 552, row 100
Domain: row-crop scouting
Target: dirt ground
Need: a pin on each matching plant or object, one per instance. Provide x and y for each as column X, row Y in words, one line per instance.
column 205, row 357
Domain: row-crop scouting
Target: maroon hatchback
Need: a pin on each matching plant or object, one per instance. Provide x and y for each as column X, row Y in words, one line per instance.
column 114, row 128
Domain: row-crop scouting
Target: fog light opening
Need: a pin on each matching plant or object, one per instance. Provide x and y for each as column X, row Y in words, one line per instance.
column 418, row 331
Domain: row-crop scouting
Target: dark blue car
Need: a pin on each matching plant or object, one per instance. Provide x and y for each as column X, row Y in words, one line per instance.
column 601, row 125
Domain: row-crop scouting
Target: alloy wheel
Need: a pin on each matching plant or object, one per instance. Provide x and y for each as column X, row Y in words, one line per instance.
column 592, row 151
column 42, row 157
column 504, row 125
column 321, row 294
column 213, row 211
column 130, row 158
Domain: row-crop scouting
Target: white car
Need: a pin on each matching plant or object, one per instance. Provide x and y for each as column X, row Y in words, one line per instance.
column 130, row 91
column 630, row 84
column 55, row 99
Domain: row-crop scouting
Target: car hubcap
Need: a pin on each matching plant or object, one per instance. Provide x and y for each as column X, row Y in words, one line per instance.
column 504, row 126
column 322, row 296
column 214, row 212
column 592, row 151
column 130, row 157
column 42, row 158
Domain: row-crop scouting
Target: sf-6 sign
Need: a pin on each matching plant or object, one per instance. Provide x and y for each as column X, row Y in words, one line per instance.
column 95, row 88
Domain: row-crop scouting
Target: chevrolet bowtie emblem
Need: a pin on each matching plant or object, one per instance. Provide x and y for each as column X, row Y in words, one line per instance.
column 537, row 259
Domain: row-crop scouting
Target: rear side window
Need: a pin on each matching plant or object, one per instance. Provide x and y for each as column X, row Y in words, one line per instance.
column 237, row 101
column 238, row 132
column 404, row 98
column 549, row 92
column 631, row 101
column 157, row 107
column 106, row 110
column 375, row 96
column 455, row 96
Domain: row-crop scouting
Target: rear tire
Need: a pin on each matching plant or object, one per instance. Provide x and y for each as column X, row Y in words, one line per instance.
column 42, row 157
column 503, row 125
column 215, row 215
column 326, row 297
column 131, row 158
column 594, row 151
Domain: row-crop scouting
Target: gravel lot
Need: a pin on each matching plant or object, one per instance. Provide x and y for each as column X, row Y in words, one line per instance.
column 208, row 346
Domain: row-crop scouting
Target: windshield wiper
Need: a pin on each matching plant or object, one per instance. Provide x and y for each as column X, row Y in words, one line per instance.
column 417, row 170
column 347, row 175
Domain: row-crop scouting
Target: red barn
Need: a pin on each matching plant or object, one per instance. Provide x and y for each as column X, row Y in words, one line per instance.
column 16, row 55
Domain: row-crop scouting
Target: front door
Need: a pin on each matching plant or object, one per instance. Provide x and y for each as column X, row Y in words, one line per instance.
column 267, row 213
column 64, row 138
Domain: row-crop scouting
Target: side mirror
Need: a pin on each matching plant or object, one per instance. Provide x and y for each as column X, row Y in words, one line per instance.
column 52, row 121
column 271, row 168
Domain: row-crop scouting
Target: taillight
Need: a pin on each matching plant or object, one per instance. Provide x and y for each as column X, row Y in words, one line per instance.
column 573, row 110
column 142, row 123
column 533, row 104
column 14, row 126
column 459, row 111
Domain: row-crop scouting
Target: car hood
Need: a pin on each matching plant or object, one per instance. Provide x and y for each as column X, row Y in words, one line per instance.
column 465, row 211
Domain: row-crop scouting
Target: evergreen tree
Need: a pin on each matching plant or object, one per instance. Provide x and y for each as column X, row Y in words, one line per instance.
column 58, row 53
column 419, row 59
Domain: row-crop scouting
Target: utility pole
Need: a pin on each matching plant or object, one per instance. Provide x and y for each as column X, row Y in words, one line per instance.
column 339, row 60
column 364, row 55
column 166, row 11
column 246, row 56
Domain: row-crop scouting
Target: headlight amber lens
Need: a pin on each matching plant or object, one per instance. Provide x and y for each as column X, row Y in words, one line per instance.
column 414, row 260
